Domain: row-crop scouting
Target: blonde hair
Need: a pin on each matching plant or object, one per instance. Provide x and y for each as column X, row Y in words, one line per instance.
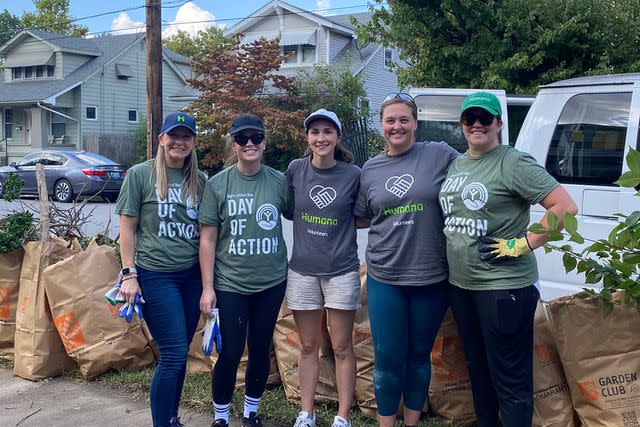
column 189, row 173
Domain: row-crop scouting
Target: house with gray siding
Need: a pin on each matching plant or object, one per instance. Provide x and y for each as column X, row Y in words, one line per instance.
column 311, row 39
column 71, row 93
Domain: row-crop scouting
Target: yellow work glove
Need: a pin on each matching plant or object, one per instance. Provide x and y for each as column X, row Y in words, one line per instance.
column 495, row 250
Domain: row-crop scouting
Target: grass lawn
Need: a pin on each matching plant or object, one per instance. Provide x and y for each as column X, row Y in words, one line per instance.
column 197, row 395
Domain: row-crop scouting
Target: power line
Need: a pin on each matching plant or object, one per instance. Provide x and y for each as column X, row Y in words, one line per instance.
column 167, row 6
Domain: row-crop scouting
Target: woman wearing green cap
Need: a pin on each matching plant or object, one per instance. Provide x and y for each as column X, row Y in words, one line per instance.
column 485, row 200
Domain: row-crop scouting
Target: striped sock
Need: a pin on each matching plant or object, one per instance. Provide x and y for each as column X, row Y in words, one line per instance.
column 251, row 405
column 221, row 411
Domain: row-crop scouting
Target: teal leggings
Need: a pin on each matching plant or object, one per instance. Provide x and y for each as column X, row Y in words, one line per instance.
column 404, row 324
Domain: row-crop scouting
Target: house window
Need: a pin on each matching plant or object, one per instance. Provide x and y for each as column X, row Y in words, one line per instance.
column 388, row 57
column 39, row 71
column 91, row 113
column 8, row 123
column 50, row 71
column 291, row 53
column 364, row 105
column 17, row 73
column 28, row 72
column 308, row 54
column 58, row 126
column 133, row 116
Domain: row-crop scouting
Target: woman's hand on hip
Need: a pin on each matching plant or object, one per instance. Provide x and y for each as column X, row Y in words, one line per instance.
column 207, row 301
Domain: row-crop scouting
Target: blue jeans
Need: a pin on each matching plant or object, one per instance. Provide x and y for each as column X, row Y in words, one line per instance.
column 171, row 310
column 404, row 324
column 496, row 329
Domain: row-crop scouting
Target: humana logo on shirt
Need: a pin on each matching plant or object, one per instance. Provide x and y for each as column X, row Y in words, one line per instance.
column 318, row 219
column 413, row 207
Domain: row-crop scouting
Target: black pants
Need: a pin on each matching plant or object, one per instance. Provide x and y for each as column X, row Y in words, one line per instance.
column 239, row 313
column 496, row 328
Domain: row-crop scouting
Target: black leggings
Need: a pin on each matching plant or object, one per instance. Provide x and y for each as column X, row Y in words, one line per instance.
column 238, row 312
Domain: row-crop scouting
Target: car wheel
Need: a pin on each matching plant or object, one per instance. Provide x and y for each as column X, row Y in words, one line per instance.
column 63, row 191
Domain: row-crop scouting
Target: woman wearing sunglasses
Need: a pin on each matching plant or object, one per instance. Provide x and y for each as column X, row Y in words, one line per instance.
column 243, row 259
column 407, row 268
column 323, row 271
column 485, row 200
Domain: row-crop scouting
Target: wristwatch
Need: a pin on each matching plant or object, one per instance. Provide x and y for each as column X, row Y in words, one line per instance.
column 128, row 270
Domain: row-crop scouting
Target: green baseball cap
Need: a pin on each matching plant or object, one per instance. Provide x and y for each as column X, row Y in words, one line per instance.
column 485, row 100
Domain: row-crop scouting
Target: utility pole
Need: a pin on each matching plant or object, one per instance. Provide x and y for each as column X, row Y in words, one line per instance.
column 154, row 75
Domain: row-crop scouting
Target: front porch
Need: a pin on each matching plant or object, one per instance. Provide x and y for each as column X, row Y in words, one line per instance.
column 31, row 128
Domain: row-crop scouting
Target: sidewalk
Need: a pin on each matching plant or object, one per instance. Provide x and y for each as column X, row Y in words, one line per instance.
column 65, row 403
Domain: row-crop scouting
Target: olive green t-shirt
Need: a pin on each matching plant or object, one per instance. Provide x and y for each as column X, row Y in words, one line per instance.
column 251, row 255
column 491, row 195
column 167, row 236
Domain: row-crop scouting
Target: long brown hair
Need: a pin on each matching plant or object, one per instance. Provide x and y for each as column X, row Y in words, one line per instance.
column 189, row 173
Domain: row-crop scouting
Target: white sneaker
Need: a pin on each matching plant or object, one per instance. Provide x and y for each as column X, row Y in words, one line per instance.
column 338, row 421
column 304, row 420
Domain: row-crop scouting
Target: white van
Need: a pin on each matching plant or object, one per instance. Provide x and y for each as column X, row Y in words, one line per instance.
column 580, row 130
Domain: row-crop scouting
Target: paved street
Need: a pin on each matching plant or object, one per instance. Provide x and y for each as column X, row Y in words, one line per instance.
column 103, row 216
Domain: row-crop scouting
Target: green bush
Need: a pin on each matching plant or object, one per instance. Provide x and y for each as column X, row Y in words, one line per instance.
column 16, row 227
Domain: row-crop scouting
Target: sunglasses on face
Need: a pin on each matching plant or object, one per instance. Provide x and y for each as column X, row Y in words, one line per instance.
column 469, row 117
column 405, row 97
column 243, row 140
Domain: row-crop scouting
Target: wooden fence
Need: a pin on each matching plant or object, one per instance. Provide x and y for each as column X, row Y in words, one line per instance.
column 119, row 148
column 356, row 139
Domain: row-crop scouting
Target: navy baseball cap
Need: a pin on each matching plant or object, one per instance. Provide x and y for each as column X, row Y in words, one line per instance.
column 246, row 121
column 178, row 119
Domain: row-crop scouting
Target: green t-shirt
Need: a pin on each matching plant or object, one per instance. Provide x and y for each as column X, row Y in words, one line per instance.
column 251, row 255
column 491, row 195
column 168, row 235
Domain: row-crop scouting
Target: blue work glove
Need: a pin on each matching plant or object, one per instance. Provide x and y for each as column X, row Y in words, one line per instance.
column 211, row 334
column 114, row 296
column 127, row 310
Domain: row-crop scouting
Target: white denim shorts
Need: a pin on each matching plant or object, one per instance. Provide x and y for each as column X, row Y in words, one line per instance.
column 315, row 293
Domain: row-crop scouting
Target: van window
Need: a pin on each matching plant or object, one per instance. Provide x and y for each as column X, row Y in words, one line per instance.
column 516, row 115
column 439, row 120
column 588, row 143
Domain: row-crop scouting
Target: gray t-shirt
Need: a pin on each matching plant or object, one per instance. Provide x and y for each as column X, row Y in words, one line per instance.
column 400, row 196
column 324, row 231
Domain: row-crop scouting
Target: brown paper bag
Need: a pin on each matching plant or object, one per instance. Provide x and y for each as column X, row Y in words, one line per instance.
column 39, row 352
column 552, row 406
column 92, row 332
column 450, row 393
column 601, row 359
column 286, row 342
column 363, row 349
column 10, row 266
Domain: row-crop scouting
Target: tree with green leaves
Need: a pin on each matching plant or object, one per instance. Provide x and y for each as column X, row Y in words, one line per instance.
column 53, row 16
column 240, row 80
column 515, row 45
column 199, row 45
column 9, row 26
column 333, row 87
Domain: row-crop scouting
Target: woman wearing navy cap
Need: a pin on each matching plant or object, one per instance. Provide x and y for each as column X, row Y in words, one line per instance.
column 243, row 258
column 158, row 208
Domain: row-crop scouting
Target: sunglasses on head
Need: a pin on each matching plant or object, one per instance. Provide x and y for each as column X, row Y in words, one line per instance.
column 470, row 116
column 243, row 140
column 405, row 97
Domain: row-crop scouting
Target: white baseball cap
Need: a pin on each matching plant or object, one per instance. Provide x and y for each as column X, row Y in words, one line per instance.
column 323, row 114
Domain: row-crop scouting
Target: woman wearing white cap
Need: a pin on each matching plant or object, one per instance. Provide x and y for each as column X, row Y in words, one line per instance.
column 323, row 270
column 158, row 208
column 243, row 259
